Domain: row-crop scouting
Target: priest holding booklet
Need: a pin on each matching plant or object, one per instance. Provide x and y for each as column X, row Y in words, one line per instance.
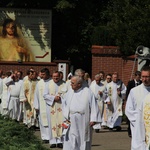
column 81, row 112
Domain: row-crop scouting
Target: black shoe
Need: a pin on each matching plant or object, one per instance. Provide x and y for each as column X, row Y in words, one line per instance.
column 129, row 132
column 32, row 128
column 118, row 128
column 105, row 127
column 130, row 135
column 37, row 128
column 60, row 145
column 110, row 129
column 45, row 141
column 97, row 130
column 53, row 146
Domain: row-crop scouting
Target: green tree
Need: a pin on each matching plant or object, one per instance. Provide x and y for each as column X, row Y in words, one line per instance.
column 74, row 27
column 128, row 21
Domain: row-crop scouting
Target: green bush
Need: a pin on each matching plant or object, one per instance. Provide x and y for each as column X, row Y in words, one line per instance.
column 15, row 136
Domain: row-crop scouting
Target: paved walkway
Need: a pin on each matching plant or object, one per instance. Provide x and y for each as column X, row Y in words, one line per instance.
column 111, row 140
column 108, row 140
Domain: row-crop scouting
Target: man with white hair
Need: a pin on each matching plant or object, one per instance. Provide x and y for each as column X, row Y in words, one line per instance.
column 81, row 112
column 98, row 88
column 80, row 72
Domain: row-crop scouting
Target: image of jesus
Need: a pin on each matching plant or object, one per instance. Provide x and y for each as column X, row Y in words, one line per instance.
column 12, row 46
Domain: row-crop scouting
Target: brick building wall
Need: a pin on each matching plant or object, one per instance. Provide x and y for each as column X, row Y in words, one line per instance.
column 109, row 60
column 24, row 66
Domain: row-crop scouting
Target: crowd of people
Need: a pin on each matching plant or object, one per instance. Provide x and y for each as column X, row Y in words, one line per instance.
column 66, row 112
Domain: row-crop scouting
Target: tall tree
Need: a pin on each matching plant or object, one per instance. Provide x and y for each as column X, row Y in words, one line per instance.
column 128, row 21
column 74, row 26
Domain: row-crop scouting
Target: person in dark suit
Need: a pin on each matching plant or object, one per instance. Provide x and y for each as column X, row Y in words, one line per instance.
column 131, row 84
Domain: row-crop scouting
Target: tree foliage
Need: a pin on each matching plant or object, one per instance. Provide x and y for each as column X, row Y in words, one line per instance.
column 129, row 21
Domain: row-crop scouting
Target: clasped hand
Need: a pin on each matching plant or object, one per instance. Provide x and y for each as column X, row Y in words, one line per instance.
column 57, row 98
column 92, row 123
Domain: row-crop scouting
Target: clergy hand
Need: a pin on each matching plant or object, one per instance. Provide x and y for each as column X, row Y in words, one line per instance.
column 109, row 103
column 57, row 98
column 12, row 76
column 119, row 92
column 26, row 92
column 25, row 100
column 92, row 123
column 100, row 92
column 37, row 111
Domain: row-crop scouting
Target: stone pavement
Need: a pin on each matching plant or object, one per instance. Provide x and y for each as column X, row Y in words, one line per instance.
column 108, row 140
column 111, row 140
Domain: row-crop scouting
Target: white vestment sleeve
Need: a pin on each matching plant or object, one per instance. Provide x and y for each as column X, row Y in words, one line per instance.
column 22, row 94
column 8, row 81
column 47, row 97
column 92, row 88
column 95, row 113
column 95, row 89
column 105, row 93
column 123, row 91
column 130, row 109
column 36, row 98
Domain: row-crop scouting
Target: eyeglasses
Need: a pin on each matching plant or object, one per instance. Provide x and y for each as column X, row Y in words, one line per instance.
column 145, row 77
column 10, row 27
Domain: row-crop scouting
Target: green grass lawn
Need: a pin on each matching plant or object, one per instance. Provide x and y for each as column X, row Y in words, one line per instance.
column 15, row 136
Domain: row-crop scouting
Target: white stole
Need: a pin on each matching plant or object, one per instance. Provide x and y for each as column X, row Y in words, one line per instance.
column 42, row 103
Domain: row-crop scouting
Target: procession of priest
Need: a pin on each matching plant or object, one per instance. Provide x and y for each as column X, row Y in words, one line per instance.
column 67, row 112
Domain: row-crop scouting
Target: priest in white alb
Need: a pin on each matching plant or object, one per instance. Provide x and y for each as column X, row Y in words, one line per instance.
column 14, row 89
column 40, row 104
column 52, row 96
column 115, row 93
column 4, row 97
column 81, row 112
column 98, row 88
column 27, row 98
column 135, row 98
column 141, row 137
